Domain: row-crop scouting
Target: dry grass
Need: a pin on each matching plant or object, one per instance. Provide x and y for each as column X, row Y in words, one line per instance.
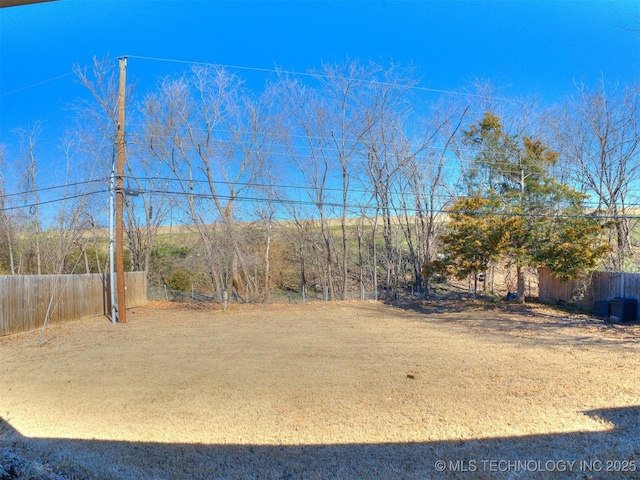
column 341, row 390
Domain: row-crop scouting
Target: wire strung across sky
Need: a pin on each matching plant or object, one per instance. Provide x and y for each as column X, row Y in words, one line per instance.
column 508, row 167
column 264, row 70
column 51, row 201
column 57, row 187
column 37, row 84
column 275, row 187
column 307, row 74
column 275, row 200
column 394, row 208
column 409, row 149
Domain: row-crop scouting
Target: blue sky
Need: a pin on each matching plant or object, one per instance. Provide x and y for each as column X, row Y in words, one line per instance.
column 525, row 47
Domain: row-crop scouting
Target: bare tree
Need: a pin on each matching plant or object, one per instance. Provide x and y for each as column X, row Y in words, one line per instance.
column 387, row 151
column 6, row 223
column 299, row 233
column 309, row 146
column 97, row 117
column 352, row 93
column 147, row 205
column 146, row 201
column 425, row 186
column 29, row 183
column 266, row 209
column 342, row 128
column 598, row 136
column 209, row 134
column 94, row 132
column 69, row 218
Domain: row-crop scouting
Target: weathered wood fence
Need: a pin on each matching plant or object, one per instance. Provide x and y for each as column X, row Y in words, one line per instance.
column 583, row 293
column 25, row 299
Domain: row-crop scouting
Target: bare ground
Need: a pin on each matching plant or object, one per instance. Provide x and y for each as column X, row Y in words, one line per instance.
column 339, row 390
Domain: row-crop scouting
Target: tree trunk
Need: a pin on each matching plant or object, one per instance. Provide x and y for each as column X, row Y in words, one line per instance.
column 267, row 263
column 345, row 257
column 343, row 223
column 86, row 259
column 328, row 253
column 38, row 256
column 520, row 273
column 374, row 230
column 360, row 256
column 10, row 245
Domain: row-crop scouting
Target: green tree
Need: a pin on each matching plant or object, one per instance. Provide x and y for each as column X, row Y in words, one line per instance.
column 475, row 236
column 571, row 246
column 531, row 216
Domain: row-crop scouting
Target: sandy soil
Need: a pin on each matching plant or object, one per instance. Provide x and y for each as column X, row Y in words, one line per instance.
column 340, row 390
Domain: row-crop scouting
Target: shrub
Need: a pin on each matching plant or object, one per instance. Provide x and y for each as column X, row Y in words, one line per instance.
column 179, row 280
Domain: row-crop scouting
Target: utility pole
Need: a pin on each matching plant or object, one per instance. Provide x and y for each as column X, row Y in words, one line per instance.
column 112, row 263
column 122, row 309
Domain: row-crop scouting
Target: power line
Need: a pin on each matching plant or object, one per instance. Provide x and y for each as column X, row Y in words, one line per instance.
column 328, row 204
column 279, row 186
column 243, row 185
column 394, row 208
column 57, row 187
column 282, row 186
column 27, row 87
column 307, row 74
column 359, row 156
column 46, row 202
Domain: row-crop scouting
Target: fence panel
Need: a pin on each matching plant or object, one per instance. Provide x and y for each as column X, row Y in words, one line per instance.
column 26, row 299
column 583, row 293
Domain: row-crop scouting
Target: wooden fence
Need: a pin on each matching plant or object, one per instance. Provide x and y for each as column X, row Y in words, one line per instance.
column 25, row 299
column 583, row 293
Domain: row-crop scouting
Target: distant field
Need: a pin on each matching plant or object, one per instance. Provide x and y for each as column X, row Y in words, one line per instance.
column 326, row 390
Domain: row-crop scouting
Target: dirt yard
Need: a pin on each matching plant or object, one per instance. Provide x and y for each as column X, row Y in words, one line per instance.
column 340, row 390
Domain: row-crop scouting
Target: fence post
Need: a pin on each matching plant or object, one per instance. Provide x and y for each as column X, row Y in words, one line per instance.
column 326, row 293
column 225, row 299
column 304, row 295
